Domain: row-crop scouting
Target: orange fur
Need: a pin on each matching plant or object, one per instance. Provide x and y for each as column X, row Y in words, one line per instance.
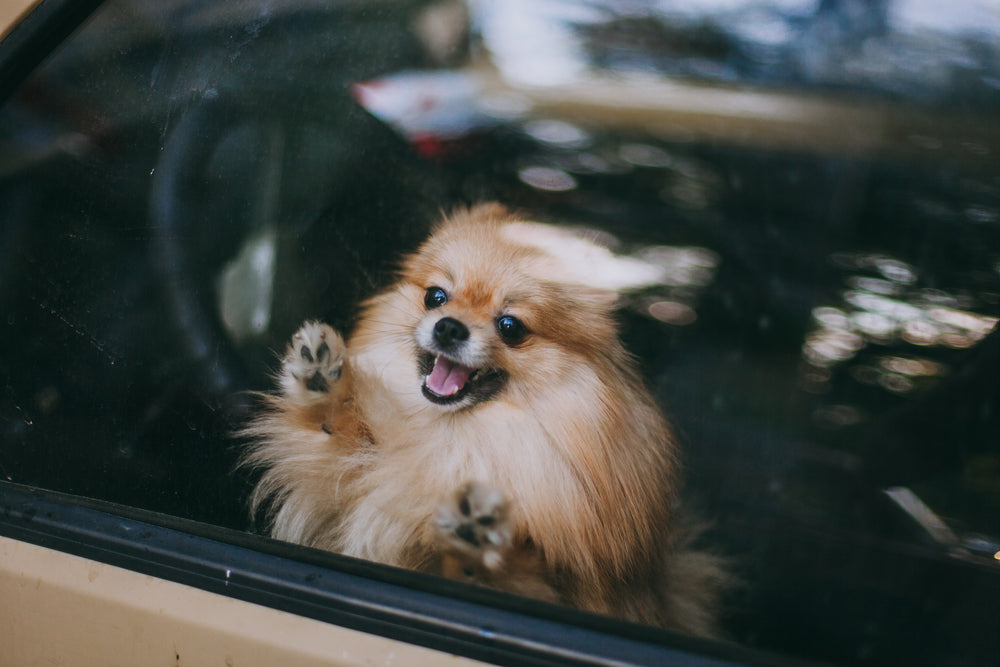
column 572, row 439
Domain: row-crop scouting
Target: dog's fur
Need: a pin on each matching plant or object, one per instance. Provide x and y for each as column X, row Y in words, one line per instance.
column 551, row 473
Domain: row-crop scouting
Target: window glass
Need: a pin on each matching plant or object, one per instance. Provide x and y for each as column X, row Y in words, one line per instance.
column 817, row 182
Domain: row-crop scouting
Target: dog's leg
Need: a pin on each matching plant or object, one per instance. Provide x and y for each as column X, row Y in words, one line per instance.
column 300, row 437
column 472, row 530
column 316, row 383
column 313, row 364
column 476, row 543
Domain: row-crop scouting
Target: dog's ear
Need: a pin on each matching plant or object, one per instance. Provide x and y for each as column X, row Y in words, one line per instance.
column 578, row 257
column 486, row 212
column 596, row 298
column 491, row 212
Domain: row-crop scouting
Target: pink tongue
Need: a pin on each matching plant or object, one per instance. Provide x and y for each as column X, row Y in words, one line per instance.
column 447, row 378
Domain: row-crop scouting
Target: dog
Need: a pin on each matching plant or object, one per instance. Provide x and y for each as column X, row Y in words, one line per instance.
column 484, row 422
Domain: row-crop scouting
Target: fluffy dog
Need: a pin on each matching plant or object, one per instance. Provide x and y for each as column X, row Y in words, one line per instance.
column 484, row 422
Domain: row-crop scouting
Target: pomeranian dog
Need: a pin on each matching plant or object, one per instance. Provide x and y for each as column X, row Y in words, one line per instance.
column 484, row 422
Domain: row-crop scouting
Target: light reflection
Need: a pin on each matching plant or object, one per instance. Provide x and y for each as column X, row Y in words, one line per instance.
column 895, row 270
column 920, row 333
column 888, row 309
column 557, row 133
column 662, row 282
column 896, row 374
column 246, row 285
column 957, row 341
column 875, row 285
column 672, row 312
column 505, row 106
column 823, row 348
column 911, row 366
column 644, row 155
column 931, row 296
column 877, row 326
column 975, row 325
column 547, row 178
column 684, row 272
column 895, row 309
column 832, row 318
column 659, row 281
column 890, row 269
column 896, row 383
column 682, row 265
column 880, row 319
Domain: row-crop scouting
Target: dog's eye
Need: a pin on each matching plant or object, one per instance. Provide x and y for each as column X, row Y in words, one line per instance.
column 435, row 297
column 511, row 329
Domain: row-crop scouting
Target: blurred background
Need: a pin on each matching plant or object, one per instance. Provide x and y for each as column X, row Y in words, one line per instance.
column 817, row 183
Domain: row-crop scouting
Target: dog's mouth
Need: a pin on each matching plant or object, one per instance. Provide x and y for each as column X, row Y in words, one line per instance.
column 447, row 382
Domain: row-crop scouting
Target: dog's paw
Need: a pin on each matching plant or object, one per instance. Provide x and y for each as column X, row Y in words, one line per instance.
column 473, row 526
column 314, row 359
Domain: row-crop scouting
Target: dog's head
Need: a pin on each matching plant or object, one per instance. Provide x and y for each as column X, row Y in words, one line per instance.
column 501, row 307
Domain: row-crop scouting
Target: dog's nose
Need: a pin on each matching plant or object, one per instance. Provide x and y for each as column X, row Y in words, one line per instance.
column 448, row 331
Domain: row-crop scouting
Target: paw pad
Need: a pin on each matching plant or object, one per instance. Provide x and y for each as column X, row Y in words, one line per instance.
column 474, row 519
column 315, row 357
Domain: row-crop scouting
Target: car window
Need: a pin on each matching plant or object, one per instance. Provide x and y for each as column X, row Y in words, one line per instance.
column 816, row 184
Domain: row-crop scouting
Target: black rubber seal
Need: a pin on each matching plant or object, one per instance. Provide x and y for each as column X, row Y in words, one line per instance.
column 397, row 604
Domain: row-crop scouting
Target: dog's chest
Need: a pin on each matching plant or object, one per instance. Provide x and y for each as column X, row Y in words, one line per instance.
column 391, row 518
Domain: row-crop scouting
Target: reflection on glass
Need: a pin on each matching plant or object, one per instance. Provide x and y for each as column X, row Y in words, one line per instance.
column 645, row 155
column 547, row 178
column 881, row 310
column 246, row 285
column 557, row 133
column 672, row 312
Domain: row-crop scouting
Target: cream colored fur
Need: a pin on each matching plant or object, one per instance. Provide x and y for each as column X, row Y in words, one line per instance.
column 573, row 442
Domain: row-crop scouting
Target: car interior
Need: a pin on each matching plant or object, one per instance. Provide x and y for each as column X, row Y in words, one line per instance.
column 184, row 182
